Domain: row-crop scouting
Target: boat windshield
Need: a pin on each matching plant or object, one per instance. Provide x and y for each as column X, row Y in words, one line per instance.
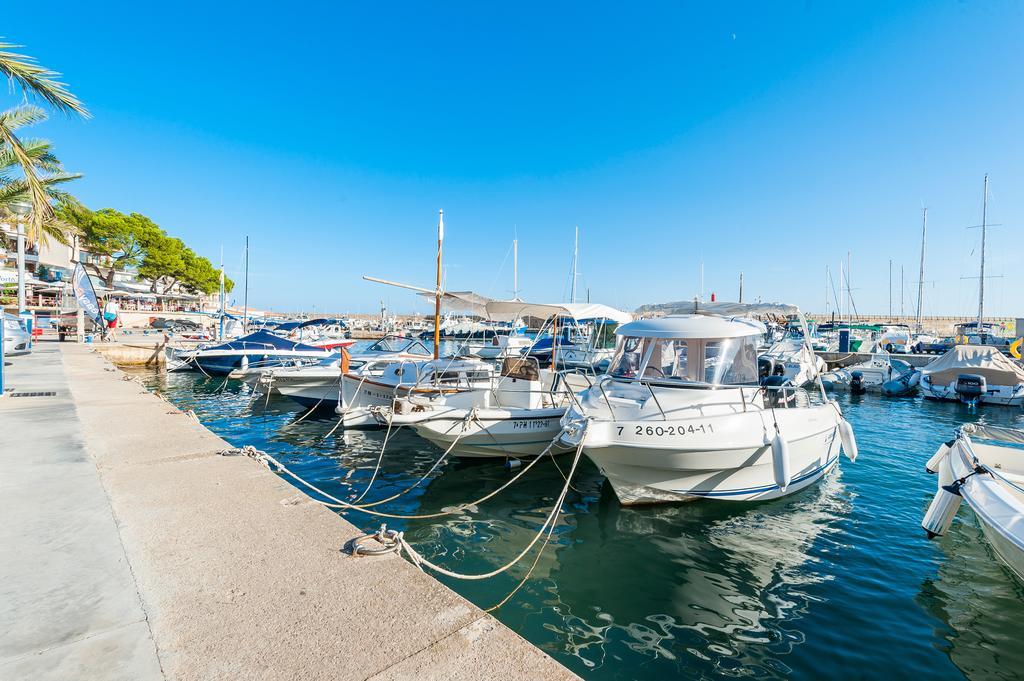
column 709, row 361
column 397, row 344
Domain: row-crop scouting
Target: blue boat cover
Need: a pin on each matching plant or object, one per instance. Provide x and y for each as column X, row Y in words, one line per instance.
column 262, row 340
column 291, row 326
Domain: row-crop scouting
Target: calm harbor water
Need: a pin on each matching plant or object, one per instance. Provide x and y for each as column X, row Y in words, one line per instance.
column 838, row 580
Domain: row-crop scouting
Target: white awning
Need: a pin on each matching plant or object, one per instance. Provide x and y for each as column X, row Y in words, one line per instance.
column 509, row 309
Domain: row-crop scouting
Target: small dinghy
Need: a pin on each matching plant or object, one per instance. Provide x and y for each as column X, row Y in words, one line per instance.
column 984, row 466
column 880, row 373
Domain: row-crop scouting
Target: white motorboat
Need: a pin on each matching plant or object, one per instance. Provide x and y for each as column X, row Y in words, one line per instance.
column 379, row 383
column 794, row 359
column 682, row 415
column 984, row 466
column 597, row 349
column 879, row 373
column 974, row 374
column 319, row 384
column 500, row 347
column 517, row 416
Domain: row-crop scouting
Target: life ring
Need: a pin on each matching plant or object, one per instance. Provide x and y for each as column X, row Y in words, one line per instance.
column 1015, row 347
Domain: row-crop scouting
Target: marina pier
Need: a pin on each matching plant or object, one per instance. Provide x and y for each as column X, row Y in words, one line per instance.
column 144, row 553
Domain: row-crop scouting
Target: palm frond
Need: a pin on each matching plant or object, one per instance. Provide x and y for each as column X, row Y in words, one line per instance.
column 39, row 80
column 38, row 150
column 42, row 211
column 22, row 115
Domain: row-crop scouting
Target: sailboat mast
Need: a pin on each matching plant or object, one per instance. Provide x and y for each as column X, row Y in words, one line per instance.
column 437, row 292
column 981, row 279
column 245, row 296
column 575, row 264
column 890, row 289
column 220, row 325
column 920, row 278
column 741, row 287
column 515, row 269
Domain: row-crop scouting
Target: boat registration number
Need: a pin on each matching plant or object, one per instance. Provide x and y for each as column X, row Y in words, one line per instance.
column 662, row 431
column 531, row 425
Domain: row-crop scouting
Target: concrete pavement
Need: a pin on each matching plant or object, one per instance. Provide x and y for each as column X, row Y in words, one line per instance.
column 140, row 552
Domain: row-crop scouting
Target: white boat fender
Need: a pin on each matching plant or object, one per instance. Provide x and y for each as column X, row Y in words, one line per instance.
column 942, row 510
column 780, row 461
column 245, row 362
column 513, row 464
column 941, row 453
column 847, row 438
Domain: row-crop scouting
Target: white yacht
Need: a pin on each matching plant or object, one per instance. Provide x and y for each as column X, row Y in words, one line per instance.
column 984, row 466
column 794, row 359
column 682, row 414
column 974, row 374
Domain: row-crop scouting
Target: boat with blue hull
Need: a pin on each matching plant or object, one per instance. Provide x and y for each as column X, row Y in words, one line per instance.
column 259, row 349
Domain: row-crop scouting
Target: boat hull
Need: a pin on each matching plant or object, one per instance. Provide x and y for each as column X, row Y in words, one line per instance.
column 1002, row 396
column 725, row 457
column 495, row 433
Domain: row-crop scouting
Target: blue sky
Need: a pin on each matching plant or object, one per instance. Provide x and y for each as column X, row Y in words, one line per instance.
column 756, row 137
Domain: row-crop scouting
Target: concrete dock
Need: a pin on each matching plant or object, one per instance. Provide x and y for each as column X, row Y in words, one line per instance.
column 134, row 550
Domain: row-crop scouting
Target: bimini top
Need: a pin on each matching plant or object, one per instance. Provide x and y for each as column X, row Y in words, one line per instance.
column 262, row 340
column 497, row 309
column 692, row 326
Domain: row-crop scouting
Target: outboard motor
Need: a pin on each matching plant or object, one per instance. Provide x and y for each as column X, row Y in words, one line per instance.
column 970, row 388
column 777, row 390
column 765, row 367
column 857, row 386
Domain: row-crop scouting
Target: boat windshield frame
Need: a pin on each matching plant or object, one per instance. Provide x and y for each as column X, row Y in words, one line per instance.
column 684, row 372
column 409, row 344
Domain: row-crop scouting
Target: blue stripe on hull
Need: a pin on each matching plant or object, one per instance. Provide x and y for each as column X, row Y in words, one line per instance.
column 764, row 488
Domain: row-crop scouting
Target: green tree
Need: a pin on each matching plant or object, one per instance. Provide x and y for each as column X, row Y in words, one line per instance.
column 163, row 263
column 111, row 233
column 41, row 83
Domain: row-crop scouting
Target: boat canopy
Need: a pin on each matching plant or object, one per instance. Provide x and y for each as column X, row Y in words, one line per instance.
column 689, row 326
column 983, row 360
column 263, row 340
column 460, row 301
column 498, row 309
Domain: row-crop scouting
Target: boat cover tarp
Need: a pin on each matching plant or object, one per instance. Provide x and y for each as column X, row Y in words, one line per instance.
column 293, row 325
column 263, row 340
column 983, row 360
column 498, row 309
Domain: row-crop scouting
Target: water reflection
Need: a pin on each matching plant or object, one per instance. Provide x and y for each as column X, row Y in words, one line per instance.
column 837, row 580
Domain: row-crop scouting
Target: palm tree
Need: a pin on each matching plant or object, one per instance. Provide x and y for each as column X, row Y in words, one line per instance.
column 45, row 171
column 40, row 82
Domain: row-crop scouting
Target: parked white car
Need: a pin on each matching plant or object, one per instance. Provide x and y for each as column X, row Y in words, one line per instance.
column 16, row 338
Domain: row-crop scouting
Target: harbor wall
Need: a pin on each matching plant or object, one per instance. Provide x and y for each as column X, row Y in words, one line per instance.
column 940, row 325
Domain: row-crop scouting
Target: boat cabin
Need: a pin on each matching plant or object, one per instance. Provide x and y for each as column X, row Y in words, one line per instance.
column 690, row 349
